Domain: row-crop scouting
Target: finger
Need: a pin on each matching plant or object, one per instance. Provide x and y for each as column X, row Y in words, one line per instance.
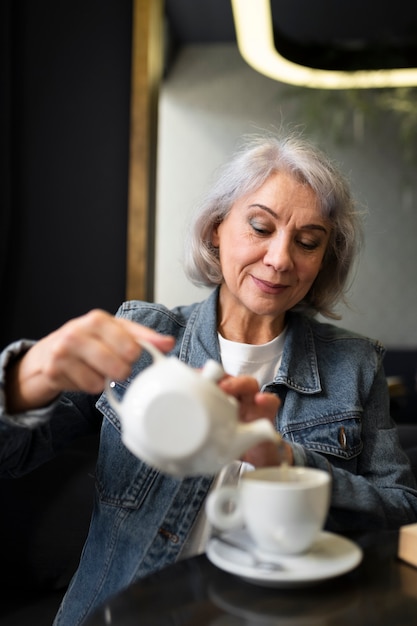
column 75, row 375
column 139, row 332
column 262, row 455
column 243, row 388
column 268, row 454
column 120, row 334
column 95, row 341
column 262, row 404
column 106, row 344
column 84, row 364
column 269, row 403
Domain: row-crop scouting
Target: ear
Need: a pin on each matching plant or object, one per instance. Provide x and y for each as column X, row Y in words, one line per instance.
column 215, row 239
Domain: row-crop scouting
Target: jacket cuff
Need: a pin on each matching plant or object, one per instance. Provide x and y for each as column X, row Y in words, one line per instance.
column 28, row 419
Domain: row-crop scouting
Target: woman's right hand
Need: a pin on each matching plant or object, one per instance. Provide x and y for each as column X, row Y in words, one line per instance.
column 80, row 355
column 254, row 404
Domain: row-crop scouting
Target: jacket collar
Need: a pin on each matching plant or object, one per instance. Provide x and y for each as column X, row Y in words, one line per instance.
column 299, row 368
column 200, row 340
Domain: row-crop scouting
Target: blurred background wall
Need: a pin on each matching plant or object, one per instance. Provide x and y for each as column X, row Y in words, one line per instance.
column 211, row 98
column 65, row 77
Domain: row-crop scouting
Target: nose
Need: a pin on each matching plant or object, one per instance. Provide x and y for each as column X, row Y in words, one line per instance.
column 279, row 254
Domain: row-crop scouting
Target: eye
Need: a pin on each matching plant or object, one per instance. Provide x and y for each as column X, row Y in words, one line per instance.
column 259, row 227
column 308, row 245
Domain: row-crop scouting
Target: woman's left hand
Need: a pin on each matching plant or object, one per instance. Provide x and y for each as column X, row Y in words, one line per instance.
column 254, row 404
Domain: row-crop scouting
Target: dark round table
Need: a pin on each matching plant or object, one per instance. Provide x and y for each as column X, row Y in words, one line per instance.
column 381, row 591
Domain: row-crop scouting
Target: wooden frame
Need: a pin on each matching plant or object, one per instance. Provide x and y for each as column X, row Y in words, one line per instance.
column 147, row 71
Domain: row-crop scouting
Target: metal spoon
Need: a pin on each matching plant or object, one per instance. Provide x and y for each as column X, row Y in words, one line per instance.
column 257, row 561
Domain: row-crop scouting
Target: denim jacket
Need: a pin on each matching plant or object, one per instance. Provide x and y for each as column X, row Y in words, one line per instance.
column 334, row 412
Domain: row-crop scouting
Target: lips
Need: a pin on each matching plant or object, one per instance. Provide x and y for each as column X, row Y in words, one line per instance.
column 267, row 287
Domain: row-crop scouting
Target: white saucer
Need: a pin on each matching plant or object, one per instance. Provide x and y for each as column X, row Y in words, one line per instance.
column 331, row 555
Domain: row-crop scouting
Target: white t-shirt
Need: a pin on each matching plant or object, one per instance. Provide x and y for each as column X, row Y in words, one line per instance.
column 262, row 362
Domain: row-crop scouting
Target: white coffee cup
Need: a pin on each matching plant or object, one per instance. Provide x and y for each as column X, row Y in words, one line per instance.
column 283, row 508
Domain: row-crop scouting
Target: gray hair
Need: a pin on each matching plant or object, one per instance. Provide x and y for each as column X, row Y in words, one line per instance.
column 251, row 166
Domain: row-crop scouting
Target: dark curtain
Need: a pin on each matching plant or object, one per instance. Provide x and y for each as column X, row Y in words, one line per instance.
column 65, row 99
column 64, row 148
column 5, row 143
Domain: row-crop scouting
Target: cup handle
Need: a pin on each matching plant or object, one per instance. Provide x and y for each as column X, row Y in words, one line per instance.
column 223, row 508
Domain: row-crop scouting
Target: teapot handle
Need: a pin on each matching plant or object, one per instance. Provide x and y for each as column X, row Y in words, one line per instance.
column 156, row 355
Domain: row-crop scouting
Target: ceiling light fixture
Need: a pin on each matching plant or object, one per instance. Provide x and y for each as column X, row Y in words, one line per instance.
column 255, row 40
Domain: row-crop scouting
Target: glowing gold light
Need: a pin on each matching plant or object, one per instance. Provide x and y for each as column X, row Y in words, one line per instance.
column 255, row 39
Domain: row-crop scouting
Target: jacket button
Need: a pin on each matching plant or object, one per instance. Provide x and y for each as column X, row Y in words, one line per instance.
column 342, row 438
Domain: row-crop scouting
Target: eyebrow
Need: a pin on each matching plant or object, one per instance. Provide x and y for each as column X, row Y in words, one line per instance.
column 276, row 216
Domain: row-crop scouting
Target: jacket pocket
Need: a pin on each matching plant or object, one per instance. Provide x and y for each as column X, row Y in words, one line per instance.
column 338, row 435
column 122, row 480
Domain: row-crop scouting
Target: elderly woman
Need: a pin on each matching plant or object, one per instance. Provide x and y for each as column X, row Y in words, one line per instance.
column 276, row 238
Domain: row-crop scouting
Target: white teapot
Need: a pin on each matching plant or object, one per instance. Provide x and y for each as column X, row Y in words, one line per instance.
column 178, row 420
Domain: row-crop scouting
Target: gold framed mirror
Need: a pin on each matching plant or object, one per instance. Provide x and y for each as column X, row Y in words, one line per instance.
column 146, row 72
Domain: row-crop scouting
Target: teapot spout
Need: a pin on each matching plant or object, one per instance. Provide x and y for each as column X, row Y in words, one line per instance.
column 252, row 433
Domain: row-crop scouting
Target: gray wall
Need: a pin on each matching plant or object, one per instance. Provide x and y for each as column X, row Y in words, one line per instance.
column 208, row 101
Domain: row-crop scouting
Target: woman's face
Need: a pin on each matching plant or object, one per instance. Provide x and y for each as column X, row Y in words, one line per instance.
column 271, row 248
